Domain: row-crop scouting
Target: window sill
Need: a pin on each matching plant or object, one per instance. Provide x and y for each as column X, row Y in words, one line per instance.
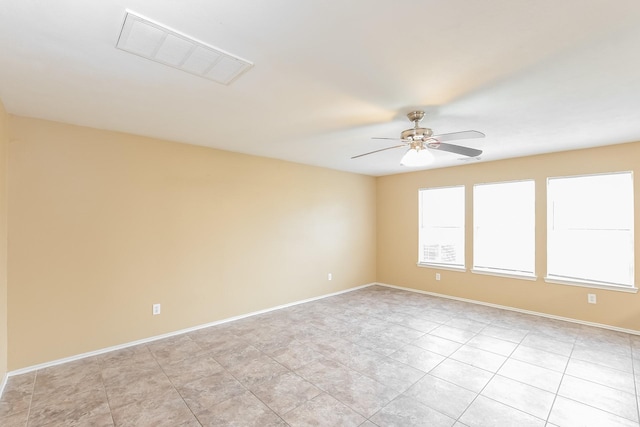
column 584, row 284
column 523, row 276
column 441, row 266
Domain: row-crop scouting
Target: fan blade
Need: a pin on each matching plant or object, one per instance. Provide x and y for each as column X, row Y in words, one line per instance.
column 465, row 134
column 377, row 151
column 457, row 149
column 392, row 139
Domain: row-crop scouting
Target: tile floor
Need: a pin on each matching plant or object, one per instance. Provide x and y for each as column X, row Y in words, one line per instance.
column 372, row 357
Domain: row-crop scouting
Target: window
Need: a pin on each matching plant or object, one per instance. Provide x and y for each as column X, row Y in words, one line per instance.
column 504, row 228
column 441, row 234
column 590, row 230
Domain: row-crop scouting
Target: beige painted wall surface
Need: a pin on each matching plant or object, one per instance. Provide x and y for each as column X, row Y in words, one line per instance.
column 4, row 141
column 105, row 224
column 397, row 214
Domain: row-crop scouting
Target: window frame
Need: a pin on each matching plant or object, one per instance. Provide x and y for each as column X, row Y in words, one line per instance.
column 506, row 272
column 581, row 282
column 439, row 265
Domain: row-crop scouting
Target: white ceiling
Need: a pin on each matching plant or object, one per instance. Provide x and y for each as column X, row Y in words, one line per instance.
column 534, row 76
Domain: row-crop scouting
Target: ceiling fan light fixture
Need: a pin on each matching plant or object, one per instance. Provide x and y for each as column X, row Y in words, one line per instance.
column 417, row 157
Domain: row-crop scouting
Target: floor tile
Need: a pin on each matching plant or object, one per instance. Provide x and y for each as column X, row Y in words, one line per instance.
column 323, row 372
column 600, row 374
column 214, row 338
column 397, row 357
column 485, row 412
column 168, row 410
column 604, row 358
column 121, row 373
column 133, row 355
column 493, row 345
column 390, row 372
column 69, row 378
column 138, row 388
column 17, row 394
column 417, row 357
column 295, row 355
column 462, row 374
column 361, row 393
column 548, row 344
column 15, row 419
column 241, row 410
column 408, row 412
column 479, row 358
column 512, row 335
column 466, row 324
column 437, row 345
column 206, row 392
column 521, row 396
column 254, row 371
column 285, row 392
column 443, row 396
column 237, row 356
column 401, row 333
column 540, row 358
column 353, row 356
column 569, row 413
column 453, row 334
column 65, row 409
column 536, row 376
column 330, row 411
column 191, row 369
column 174, row 349
column 599, row 396
column 419, row 323
column 381, row 344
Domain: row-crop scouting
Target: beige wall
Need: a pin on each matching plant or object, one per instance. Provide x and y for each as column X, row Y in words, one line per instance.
column 4, row 141
column 105, row 224
column 398, row 236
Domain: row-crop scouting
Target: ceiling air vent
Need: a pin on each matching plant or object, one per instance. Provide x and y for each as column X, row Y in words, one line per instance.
column 160, row 44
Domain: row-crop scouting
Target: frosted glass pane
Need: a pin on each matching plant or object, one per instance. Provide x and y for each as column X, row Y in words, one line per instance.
column 441, row 231
column 504, row 226
column 590, row 228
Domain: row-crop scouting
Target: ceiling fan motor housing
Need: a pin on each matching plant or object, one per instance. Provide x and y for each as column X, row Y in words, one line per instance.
column 416, row 134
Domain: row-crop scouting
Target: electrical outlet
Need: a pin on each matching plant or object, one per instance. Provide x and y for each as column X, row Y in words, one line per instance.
column 329, row 276
column 156, row 309
column 437, row 276
column 591, row 298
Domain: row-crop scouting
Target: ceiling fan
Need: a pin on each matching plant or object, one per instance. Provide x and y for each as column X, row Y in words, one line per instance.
column 420, row 139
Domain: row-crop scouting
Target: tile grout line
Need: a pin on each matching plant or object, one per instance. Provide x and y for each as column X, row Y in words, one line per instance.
column 33, row 392
column 552, row 331
column 564, row 372
column 601, row 385
column 635, row 382
column 173, row 385
column 490, row 379
column 104, row 386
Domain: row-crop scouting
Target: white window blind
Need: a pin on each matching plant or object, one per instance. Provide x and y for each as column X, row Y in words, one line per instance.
column 504, row 228
column 441, row 229
column 590, row 229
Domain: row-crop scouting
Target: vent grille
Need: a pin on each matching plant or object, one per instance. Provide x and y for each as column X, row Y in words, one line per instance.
column 158, row 43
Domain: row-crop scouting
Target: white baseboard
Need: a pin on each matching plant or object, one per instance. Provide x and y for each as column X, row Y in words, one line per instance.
column 168, row 335
column 231, row 319
column 518, row 310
